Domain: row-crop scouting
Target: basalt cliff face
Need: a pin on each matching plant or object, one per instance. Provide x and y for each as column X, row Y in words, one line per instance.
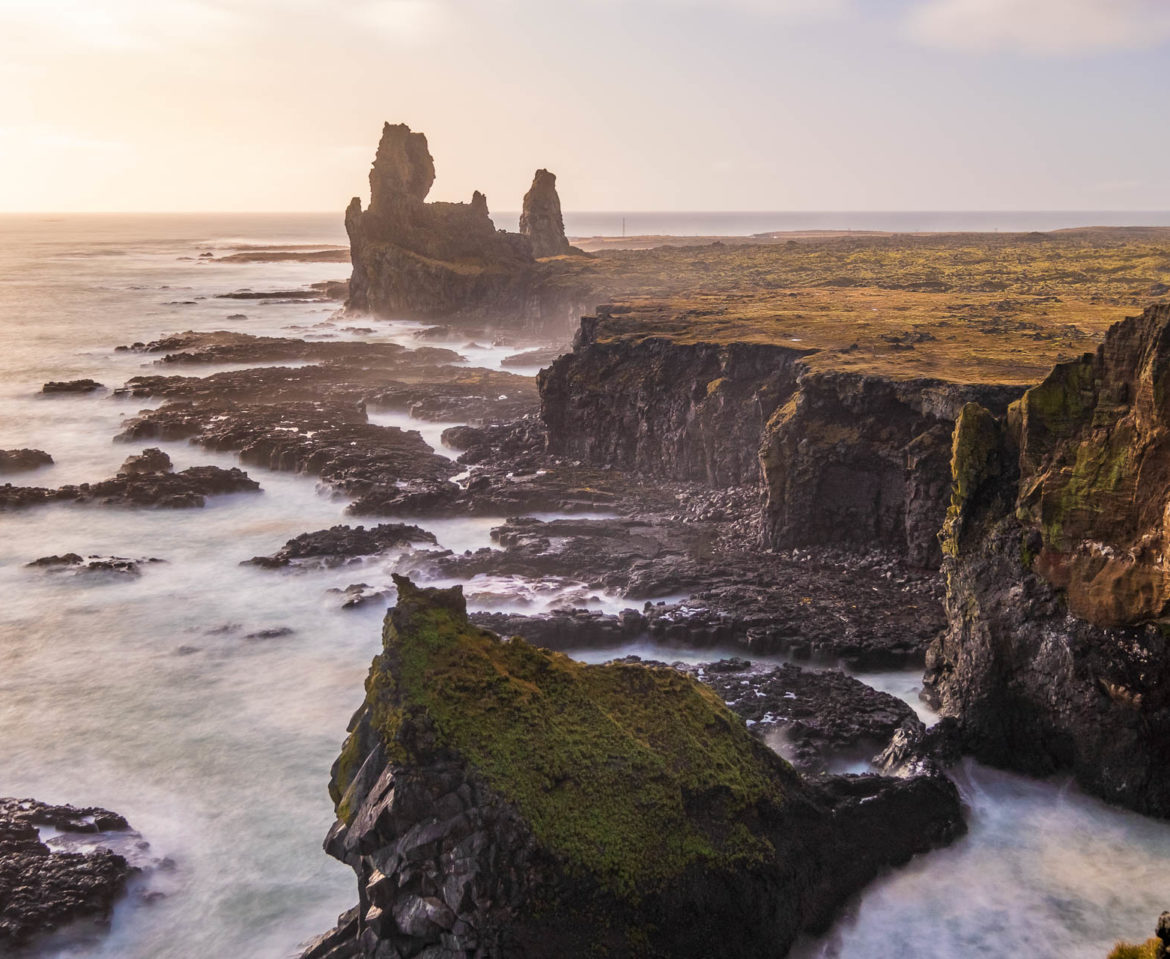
column 417, row 259
column 1056, row 538
column 839, row 456
column 497, row 800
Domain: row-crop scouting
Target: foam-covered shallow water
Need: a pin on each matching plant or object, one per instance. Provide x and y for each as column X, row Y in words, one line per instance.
column 206, row 700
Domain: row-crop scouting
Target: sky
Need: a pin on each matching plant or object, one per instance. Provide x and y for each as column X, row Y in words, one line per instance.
column 242, row 105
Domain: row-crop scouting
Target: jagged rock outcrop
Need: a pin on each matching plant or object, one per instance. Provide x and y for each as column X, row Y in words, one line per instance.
column 412, row 258
column 496, row 800
column 841, row 457
column 1057, row 656
column 540, row 218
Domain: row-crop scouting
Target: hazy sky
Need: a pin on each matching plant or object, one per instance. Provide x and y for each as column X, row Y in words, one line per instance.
column 635, row 104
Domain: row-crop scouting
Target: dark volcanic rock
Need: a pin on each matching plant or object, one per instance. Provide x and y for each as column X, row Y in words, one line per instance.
column 520, row 443
column 72, row 386
column 842, row 457
column 166, row 490
column 113, row 566
column 680, row 413
column 151, row 460
column 475, row 396
column 820, row 712
column 229, row 346
column 359, row 594
column 334, row 442
column 496, row 800
column 42, row 890
column 869, row 609
column 339, row 544
column 540, row 218
column 20, row 461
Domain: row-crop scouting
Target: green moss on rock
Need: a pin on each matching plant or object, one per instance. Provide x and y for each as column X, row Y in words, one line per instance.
column 607, row 763
column 975, row 459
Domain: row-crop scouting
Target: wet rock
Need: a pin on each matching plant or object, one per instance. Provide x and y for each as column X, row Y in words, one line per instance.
column 283, row 296
column 915, row 750
column 117, row 567
column 230, row 346
column 339, row 544
column 360, row 594
column 479, row 396
column 42, row 889
column 72, row 386
column 272, row 632
column 333, row 442
column 503, row 492
column 821, row 713
column 19, row 461
column 869, row 609
column 151, row 460
column 520, row 443
column 189, row 488
column 540, row 217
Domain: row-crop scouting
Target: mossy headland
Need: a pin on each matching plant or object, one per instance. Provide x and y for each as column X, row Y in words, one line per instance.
column 498, row 799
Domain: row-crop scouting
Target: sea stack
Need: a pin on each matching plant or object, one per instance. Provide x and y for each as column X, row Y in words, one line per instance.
column 541, row 219
column 495, row 799
column 417, row 259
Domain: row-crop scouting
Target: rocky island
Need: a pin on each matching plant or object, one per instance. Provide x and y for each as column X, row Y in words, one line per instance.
column 495, row 799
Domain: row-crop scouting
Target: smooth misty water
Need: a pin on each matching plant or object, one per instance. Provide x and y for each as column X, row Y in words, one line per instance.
column 148, row 697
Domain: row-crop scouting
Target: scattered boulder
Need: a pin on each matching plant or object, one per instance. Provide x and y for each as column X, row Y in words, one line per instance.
column 340, row 544
column 151, row 460
column 112, row 566
column 72, row 386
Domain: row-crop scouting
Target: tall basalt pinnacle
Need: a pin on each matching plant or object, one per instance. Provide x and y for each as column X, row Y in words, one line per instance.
column 402, row 167
column 541, row 220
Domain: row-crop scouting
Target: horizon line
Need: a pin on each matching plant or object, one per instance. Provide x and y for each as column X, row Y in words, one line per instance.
column 613, row 212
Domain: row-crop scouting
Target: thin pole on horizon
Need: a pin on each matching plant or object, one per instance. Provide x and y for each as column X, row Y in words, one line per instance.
column 623, row 226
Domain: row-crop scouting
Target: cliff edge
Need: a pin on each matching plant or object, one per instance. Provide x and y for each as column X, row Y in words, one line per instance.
column 1055, row 543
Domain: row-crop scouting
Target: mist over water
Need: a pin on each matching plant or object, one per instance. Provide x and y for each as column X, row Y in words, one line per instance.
column 159, row 698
